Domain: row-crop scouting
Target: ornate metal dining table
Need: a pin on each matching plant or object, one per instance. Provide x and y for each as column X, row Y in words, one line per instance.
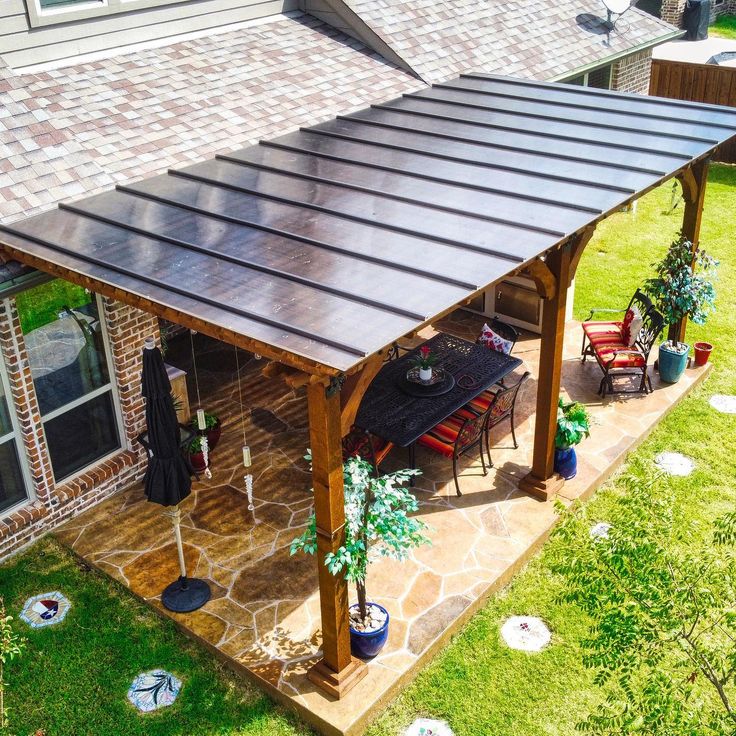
column 389, row 411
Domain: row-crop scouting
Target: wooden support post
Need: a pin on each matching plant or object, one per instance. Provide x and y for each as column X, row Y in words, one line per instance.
column 542, row 482
column 694, row 181
column 337, row 672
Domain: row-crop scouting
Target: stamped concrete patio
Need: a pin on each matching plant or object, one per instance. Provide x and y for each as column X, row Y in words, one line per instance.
column 264, row 614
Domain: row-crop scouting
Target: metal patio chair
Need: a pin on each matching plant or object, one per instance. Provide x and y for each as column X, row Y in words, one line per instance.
column 369, row 447
column 456, row 435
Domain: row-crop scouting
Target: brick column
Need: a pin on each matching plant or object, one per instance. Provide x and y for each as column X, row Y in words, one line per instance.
column 23, row 396
column 632, row 73
column 672, row 11
column 127, row 327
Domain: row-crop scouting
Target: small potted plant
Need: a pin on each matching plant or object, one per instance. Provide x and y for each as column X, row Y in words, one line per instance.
column 573, row 425
column 683, row 288
column 213, row 429
column 196, row 455
column 424, row 361
column 377, row 524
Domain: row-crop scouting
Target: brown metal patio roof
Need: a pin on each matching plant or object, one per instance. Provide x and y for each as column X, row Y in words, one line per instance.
column 325, row 245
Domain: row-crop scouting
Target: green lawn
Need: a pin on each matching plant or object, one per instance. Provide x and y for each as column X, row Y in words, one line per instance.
column 724, row 27
column 72, row 678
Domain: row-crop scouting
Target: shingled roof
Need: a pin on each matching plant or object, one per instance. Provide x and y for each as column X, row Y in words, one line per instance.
column 542, row 39
column 83, row 128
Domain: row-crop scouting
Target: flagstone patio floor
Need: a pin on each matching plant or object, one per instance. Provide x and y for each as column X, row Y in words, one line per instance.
column 264, row 614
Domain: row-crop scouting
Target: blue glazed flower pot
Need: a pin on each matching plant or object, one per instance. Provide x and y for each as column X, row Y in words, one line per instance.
column 367, row 644
column 566, row 462
column 671, row 364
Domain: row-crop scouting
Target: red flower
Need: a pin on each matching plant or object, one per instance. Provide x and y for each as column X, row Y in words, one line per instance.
column 424, row 350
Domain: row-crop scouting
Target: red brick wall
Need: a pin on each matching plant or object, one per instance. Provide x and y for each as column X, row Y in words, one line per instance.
column 53, row 504
column 631, row 74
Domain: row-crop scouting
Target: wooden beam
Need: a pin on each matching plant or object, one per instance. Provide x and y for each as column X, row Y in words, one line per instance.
column 694, row 181
column 291, row 376
column 543, row 278
column 170, row 313
column 578, row 248
column 337, row 672
column 354, row 388
column 542, row 482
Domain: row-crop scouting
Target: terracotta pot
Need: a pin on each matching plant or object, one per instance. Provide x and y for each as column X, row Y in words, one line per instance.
column 702, row 352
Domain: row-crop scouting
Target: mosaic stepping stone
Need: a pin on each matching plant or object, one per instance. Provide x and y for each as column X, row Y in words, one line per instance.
column 674, row 463
column 428, row 727
column 600, row 530
column 526, row 633
column 154, row 690
column 46, row 609
column 724, row 403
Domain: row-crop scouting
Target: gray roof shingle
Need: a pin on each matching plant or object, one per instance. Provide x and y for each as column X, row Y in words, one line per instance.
column 540, row 39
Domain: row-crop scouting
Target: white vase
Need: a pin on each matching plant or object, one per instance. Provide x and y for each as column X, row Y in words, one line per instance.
column 425, row 374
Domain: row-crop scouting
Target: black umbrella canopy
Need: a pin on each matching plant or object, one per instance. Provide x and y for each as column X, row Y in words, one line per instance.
column 167, row 480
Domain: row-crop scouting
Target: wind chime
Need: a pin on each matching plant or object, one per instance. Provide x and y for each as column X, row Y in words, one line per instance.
column 247, row 462
column 201, row 420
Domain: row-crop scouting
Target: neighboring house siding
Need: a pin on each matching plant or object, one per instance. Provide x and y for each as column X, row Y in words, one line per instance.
column 631, row 74
column 21, row 45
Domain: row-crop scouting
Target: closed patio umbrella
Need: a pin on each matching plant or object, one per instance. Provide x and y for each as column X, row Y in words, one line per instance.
column 168, row 479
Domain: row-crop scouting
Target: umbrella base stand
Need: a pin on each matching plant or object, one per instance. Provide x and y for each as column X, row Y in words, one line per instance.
column 186, row 595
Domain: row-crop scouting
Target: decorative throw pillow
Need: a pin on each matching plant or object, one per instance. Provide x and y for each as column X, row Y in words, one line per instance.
column 494, row 341
column 631, row 326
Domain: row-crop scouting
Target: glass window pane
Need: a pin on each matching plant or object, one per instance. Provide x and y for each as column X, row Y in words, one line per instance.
column 600, row 78
column 5, row 425
column 56, row 3
column 64, row 340
column 82, row 435
column 12, row 487
column 576, row 80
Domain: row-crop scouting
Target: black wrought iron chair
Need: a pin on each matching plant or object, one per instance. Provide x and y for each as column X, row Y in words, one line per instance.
column 455, row 436
column 619, row 361
column 371, row 448
column 500, row 407
column 600, row 331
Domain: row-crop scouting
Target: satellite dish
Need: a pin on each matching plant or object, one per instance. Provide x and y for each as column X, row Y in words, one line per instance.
column 617, row 8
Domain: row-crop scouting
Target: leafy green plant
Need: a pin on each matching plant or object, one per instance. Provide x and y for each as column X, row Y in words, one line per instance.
column 663, row 639
column 11, row 646
column 195, row 445
column 573, row 424
column 377, row 524
column 210, row 421
column 683, row 287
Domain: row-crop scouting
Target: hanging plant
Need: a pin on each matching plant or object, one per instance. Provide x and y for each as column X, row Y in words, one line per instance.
column 683, row 287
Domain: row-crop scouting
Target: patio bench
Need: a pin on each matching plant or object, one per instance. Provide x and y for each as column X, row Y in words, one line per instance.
column 619, row 354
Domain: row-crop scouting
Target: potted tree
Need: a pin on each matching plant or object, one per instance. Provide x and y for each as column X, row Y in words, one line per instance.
column 683, row 288
column 213, row 428
column 573, row 425
column 377, row 524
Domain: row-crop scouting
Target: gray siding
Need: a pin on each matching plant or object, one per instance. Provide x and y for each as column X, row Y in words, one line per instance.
column 21, row 45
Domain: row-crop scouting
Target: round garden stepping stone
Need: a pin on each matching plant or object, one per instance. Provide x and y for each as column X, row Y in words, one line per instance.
column 526, row 633
column 428, row 727
column 724, row 403
column 46, row 609
column 153, row 690
column 674, row 463
column 600, row 530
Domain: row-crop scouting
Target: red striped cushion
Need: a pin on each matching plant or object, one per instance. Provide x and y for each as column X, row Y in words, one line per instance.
column 480, row 403
column 441, row 438
column 603, row 332
column 625, row 360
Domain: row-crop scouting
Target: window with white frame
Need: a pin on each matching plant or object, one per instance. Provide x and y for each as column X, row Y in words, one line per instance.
column 15, row 482
column 70, row 363
column 597, row 78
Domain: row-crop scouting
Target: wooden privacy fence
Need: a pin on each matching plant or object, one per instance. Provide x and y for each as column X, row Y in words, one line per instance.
column 697, row 83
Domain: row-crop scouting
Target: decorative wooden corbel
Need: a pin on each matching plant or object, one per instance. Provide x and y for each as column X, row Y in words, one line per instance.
column 354, row 389
column 578, row 247
column 689, row 184
column 543, row 278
